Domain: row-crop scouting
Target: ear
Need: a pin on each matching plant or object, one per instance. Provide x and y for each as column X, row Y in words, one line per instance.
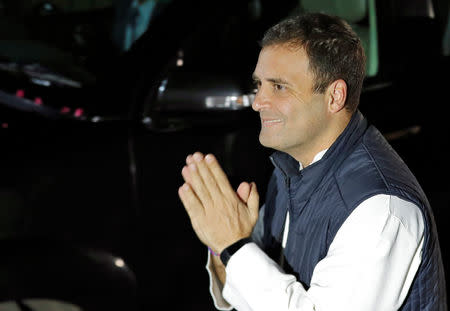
column 336, row 95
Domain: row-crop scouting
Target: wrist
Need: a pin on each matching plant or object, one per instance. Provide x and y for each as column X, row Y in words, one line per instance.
column 230, row 250
column 212, row 252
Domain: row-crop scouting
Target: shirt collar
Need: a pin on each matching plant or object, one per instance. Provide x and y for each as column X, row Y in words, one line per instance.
column 316, row 158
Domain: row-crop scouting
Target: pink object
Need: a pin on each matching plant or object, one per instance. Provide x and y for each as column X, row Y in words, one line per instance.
column 5, row 125
column 38, row 101
column 78, row 112
column 20, row 93
column 65, row 109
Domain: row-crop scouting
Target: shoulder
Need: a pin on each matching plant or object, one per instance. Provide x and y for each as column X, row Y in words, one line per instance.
column 372, row 168
column 359, row 177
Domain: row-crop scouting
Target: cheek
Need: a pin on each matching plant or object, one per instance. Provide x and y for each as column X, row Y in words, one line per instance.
column 289, row 106
column 316, row 116
column 305, row 116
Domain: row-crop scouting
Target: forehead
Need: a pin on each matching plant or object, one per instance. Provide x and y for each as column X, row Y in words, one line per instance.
column 280, row 61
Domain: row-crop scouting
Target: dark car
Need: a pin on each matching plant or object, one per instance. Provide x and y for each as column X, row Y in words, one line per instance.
column 101, row 102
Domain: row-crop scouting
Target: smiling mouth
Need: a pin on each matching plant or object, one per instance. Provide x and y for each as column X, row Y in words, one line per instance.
column 270, row 122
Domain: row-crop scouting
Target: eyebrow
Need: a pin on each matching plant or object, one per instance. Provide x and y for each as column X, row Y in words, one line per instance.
column 272, row 80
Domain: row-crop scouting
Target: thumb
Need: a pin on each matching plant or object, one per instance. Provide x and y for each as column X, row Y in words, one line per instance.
column 243, row 191
column 253, row 201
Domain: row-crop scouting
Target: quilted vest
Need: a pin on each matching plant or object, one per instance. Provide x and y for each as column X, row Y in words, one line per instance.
column 359, row 164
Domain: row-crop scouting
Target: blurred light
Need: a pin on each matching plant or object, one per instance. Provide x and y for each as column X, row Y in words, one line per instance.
column 5, row 125
column 147, row 120
column 430, row 9
column 232, row 102
column 119, row 263
column 163, row 85
column 78, row 112
column 41, row 82
column 180, row 57
column 65, row 109
column 38, row 101
column 403, row 133
column 20, row 93
column 96, row 119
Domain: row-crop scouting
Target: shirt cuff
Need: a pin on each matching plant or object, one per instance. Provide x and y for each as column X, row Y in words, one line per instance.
column 261, row 283
column 216, row 287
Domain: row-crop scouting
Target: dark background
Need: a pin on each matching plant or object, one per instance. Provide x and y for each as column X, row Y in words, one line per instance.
column 80, row 187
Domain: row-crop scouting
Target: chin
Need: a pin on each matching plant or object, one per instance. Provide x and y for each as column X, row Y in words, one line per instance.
column 267, row 142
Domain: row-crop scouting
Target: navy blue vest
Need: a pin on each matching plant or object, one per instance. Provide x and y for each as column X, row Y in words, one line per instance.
column 359, row 164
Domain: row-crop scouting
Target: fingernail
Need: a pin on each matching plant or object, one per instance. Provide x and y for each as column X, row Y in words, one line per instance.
column 192, row 167
column 209, row 158
column 185, row 187
column 198, row 157
column 188, row 158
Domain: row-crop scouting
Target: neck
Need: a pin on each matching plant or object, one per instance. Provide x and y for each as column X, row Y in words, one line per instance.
column 335, row 128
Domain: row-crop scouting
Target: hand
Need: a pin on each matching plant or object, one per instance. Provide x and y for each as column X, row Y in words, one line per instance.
column 219, row 215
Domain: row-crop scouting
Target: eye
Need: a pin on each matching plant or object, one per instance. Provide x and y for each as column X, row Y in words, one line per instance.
column 279, row 87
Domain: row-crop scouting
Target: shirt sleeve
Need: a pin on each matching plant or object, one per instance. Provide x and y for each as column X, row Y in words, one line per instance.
column 370, row 265
column 216, row 287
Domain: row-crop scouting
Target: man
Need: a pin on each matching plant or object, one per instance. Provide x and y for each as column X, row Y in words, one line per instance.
column 345, row 225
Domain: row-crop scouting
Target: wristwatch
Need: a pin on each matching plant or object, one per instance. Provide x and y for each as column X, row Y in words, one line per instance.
column 233, row 248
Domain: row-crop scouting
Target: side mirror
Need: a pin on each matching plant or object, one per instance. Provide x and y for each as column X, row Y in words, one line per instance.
column 187, row 99
column 199, row 92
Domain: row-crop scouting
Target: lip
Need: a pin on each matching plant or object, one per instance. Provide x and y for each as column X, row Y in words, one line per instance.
column 270, row 122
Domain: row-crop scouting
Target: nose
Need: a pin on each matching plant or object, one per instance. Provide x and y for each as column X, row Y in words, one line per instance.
column 261, row 101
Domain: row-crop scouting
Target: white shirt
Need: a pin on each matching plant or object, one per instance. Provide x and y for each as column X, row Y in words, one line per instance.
column 370, row 265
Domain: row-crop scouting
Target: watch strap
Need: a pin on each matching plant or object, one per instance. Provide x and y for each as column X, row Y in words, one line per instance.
column 229, row 251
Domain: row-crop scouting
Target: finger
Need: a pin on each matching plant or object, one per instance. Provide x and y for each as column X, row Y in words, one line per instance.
column 185, row 170
column 186, row 175
column 253, row 201
column 189, row 159
column 207, row 177
column 198, row 186
column 190, row 201
column 243, row 191
column 219, row 175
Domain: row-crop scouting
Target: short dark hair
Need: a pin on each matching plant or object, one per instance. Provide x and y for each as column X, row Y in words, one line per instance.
column 333, row 49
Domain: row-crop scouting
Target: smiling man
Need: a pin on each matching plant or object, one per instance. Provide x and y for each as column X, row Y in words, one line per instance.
column 345, row 226
column 294, row 118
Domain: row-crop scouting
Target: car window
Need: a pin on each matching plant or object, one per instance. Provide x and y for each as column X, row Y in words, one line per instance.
column 71, row 37
column 362, row 17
